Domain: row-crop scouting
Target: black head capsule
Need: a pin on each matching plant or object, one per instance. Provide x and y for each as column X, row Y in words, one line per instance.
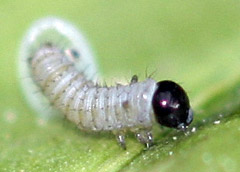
column 171, row 105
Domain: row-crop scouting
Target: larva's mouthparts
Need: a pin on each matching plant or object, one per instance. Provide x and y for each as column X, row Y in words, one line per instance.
column 171, row 105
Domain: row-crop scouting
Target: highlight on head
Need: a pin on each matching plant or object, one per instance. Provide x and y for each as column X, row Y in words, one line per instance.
column 171, row 105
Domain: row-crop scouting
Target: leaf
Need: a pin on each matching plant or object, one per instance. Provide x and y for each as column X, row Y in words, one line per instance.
column 195, row 43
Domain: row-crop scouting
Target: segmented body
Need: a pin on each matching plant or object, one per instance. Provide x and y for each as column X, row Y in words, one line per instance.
column 60, row 64
column 89, row 106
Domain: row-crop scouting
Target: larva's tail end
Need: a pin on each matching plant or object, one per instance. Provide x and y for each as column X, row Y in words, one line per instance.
column 62, row 34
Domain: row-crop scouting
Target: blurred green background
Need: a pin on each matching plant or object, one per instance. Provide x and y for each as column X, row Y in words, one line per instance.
column 195, row 43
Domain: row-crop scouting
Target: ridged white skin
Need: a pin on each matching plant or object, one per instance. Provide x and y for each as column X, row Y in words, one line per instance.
column 91, row 107
column 65, row 36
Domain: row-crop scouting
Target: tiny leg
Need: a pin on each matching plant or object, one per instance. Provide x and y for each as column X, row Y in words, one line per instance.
column 145, row 137
column 134, row 79
column 121, row 140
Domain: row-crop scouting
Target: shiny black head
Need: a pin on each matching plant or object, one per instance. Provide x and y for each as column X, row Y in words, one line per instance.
column 171, row 105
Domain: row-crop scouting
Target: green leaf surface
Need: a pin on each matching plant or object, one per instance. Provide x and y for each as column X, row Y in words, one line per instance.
column 195, row 43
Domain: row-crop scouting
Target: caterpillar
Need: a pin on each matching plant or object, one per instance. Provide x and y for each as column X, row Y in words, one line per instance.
column 61, row 65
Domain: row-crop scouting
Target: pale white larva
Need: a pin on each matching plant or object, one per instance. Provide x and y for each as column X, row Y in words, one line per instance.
column 61, row 65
